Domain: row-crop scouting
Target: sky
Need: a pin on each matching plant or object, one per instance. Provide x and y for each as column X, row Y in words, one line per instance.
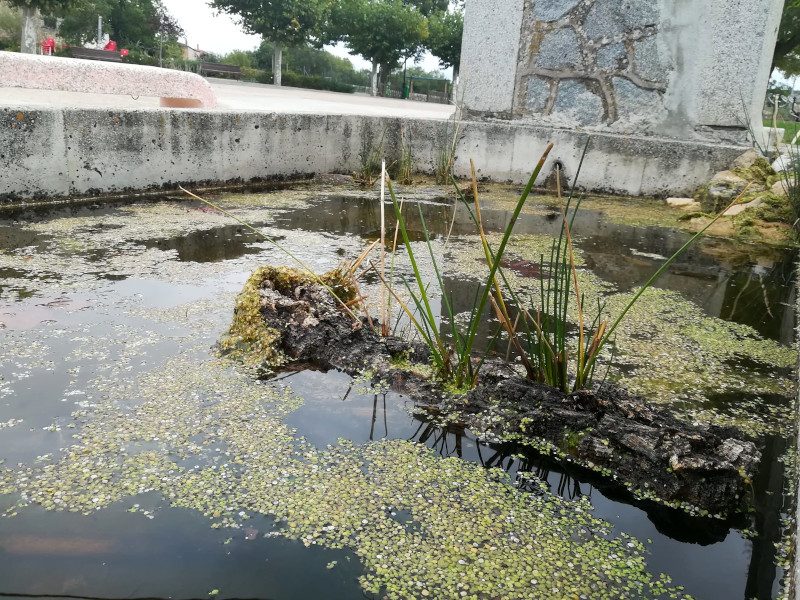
column 220, row 34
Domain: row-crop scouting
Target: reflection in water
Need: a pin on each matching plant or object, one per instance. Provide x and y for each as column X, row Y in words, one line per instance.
column 121, row 553
column 708, row 273
column 211, row 245
column 706, row 555
column 181, row 555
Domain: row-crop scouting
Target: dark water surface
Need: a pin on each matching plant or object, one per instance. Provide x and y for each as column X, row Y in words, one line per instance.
column 141, row 547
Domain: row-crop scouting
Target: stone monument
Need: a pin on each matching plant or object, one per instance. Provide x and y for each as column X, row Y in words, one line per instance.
column 649, row 70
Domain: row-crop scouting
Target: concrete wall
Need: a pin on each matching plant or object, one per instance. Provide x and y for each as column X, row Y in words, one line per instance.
column 671, row 68
column 53, row 153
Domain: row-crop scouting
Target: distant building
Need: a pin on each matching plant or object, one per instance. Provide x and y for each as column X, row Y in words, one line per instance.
column 189, row 53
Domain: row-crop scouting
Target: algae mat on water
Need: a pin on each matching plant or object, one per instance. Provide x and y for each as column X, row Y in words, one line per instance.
column 468, row 531
column 213, row 440
column 667, row 349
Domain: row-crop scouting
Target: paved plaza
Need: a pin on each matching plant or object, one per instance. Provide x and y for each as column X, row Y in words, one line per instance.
column 252, row 97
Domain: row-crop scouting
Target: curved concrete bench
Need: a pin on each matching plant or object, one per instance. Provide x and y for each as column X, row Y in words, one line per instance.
column 175, row 88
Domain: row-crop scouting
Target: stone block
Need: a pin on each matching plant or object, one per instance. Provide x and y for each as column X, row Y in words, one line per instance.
column 729, row 177
column 552, row 10
column 746, row 159
column 538, row 94
column 733, row 46
column 559, row 51
column 611, row 18
column 30, row 71
column 649, row 61
column 783, row 163
column 489, row 60
column 738, row 209
column 612, row 58
column 575, row 101
column 634, row 102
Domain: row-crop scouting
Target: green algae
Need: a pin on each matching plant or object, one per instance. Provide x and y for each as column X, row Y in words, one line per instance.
column 469, row 532
column 634, row 212
column 667, row 349
column 249, row 339
column 760, row 172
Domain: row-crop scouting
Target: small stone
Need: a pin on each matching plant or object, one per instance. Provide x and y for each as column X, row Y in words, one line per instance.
column 728, row 177
column 649, row 61
column 779, row 187
column 553, row 9
column 746, row 160
column 740, row 208
column 559, row 50
column 782, row 163
column 612, row 58
column 538, row 94
column 579, row 104
column 680, row 202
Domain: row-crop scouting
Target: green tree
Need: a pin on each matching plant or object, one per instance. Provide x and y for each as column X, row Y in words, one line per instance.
column 380, row 31
column 10, row 27
column 428, row 7
column 444, row 42
column 310, row 61
column 29, row 8
column 239, row 58
column 787, row 50
column 282, row 22
column 143, row 26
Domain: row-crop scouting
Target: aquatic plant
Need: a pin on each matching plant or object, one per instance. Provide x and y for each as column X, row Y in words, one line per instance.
column 454, row 361
column 446, row 147
column 402, row 169
column 371, row 157
column 541, row 335
column 791, row 181
column 547, row 343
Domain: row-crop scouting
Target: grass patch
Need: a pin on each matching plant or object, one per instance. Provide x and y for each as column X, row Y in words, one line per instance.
column 790, row 129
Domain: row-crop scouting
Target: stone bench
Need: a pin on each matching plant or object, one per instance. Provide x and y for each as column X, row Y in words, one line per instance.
column 176, row 89
column 92, row 54
column 232, row 70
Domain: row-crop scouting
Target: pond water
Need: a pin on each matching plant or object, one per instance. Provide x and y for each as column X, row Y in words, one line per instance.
column 136, row 463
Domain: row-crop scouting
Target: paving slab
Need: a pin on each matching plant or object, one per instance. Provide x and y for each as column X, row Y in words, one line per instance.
column 255, row 97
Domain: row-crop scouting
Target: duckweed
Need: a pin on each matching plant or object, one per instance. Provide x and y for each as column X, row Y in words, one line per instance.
column 667, row 348
column 211, row 439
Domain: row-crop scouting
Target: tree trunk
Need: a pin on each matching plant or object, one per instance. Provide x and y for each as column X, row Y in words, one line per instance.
column 383, row 80
column 373, row 82
column 28, row 41
column 277, row 56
